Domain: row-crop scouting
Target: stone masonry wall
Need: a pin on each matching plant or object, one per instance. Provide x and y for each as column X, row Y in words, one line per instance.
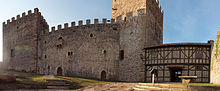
column 141, row 25
column 20, row 39
column 215, row 61
column 93, row 48
column 86, row 50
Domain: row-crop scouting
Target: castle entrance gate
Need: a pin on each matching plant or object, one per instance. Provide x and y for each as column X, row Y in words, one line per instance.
column 103, row 75
column 59, row 71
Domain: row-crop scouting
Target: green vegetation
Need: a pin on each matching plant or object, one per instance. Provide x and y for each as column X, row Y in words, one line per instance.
column 217, row 50
column 197, row 84
column 34, row 81
column 26, row 77
column 217, row 45
column 80, row 82
column 24, row 81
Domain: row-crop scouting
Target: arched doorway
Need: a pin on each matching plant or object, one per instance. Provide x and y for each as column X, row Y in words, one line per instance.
column 59, row 71
column 103, row 75
column 48, row 68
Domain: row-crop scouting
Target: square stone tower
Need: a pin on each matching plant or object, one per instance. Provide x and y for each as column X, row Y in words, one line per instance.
column 21, row 39
column 141, row 25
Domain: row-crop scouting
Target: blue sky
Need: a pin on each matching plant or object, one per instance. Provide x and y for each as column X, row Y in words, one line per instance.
column 184, row 20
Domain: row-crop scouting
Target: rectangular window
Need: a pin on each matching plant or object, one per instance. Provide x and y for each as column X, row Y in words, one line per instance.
column 199, row 55
column 12, row 52
column 70, row 53
column 176, row 54
column 122, row 55
column 199, row 68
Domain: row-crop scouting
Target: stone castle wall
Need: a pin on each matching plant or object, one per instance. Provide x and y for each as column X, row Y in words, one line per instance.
column 86, row 50
column 215, row 61
column 141, row 26
column 20, row 40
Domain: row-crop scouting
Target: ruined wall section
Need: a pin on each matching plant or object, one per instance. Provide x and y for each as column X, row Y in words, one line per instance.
column 138, row 30
column 20, row 39
column 215, row 61
column 83, row 50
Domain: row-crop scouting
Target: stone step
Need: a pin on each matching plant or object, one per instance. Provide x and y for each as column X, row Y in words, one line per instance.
column 58, row 87
column 150, row 88
column 163, row 85
column 139, row 89
column 56, row 82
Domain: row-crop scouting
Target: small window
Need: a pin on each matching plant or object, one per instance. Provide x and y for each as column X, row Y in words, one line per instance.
column 125, row 19
column 60, row 42
column 153, row 54
column 59, row 46
column 45, row 56
column 199, row 68
column 114, row 9
column 104, row 52
column 122, row 55
column 60, row 38
column 114, row 28
column 45, row 42
column 91, row 35
column 176, row 54
column 199, row 55
column 12, row 52
column 70, row 53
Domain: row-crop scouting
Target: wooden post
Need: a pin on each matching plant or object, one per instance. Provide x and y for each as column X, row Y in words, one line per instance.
column 153, row 77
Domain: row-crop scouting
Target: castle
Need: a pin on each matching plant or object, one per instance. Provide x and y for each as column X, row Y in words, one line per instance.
column 108, row 50
column 115, row 49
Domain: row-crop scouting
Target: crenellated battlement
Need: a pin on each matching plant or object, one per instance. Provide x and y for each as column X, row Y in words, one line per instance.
column 28, row 42
column 80, row 23
column 159, row 7
column 23, row 17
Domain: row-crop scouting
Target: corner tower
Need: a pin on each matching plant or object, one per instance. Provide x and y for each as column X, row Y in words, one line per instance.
column 141, row 25
column 148, row 14
column 21, row 39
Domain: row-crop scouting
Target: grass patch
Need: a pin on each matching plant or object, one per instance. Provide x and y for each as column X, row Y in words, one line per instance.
column 35, row 81
column 81, row 82
column 39, row 79
column 24, row 81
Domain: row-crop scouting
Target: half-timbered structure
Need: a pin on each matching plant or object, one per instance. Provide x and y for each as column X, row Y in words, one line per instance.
column 179, row 59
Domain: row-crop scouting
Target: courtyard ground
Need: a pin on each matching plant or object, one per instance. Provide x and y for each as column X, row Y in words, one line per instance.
column 33, row 82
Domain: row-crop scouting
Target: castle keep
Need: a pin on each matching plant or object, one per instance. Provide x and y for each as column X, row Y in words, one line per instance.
column 116, row 49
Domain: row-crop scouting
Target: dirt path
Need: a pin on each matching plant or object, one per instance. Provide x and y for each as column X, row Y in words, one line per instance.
column 110, row 87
